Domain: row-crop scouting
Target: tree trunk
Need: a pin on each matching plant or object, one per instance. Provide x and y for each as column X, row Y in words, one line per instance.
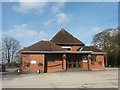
column 106, row 60
column 8, row 58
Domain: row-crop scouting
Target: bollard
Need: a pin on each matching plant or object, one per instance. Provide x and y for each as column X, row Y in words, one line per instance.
column 38, row 71
column 19, row 71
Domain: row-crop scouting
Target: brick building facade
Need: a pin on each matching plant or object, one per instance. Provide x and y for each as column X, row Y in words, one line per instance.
column 62, row 52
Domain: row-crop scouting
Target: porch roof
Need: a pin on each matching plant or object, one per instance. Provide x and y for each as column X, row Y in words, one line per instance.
column 89, row 48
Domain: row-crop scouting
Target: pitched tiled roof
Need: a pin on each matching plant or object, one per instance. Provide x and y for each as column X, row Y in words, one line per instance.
column 65, row 38
column 43, row 46
column 90, row 48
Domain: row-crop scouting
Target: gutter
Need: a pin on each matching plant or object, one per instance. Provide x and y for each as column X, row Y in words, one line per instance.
column 98, row 53
column 64, row 52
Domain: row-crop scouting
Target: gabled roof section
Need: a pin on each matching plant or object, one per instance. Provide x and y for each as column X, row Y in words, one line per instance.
column 65, row 38
column 43, row 46
column 90, row 48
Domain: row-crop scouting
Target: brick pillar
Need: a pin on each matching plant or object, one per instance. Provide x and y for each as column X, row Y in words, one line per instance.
column 89, row 61
column 89, row 64
column 64, row 61
column 23, row 64
column 103, row 62
column 84, row 65
column 44, row 63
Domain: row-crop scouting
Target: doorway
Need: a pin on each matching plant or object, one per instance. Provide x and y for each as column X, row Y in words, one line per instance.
column 73, row 60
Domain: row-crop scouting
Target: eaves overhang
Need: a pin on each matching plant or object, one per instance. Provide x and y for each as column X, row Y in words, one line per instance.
column 98, row 53
column 63, row 52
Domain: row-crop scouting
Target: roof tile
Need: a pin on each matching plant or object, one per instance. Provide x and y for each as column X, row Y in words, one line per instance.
column 43, row 46
column 65, row 38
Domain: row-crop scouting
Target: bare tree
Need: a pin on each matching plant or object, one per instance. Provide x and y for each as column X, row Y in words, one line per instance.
column 10, row 48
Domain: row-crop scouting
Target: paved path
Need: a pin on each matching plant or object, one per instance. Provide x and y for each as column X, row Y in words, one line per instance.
column 73, row 79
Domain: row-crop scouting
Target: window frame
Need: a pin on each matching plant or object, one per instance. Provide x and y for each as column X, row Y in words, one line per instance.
column 85, row 57
column 94, row 57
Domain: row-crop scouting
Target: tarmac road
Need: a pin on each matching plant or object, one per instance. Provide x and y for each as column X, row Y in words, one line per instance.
column 73, row 79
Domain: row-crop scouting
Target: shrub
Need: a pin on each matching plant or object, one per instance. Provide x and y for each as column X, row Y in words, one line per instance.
column 92, row 62
column 40, row 64
column 100, row 62
column 27, row 64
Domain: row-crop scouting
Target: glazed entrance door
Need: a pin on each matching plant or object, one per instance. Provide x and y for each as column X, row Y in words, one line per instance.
column 74, row 60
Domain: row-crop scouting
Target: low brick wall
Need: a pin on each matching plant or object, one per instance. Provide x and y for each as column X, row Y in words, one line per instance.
column 90, row 65
column 98, row 65
column 56, row 64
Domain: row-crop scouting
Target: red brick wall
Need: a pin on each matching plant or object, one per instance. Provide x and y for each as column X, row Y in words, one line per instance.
column 84, row 65
column 96, row 65
column 74, row 48
column 30, row 57
column 52, row 66
column 57, row 65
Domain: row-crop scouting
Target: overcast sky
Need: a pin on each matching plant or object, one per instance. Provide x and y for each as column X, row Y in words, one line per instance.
column 32, row 22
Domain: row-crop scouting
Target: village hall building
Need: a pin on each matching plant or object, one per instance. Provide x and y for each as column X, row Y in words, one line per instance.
column 61, row 53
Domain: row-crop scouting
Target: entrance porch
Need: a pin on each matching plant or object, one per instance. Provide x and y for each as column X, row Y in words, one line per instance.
column 77, row 61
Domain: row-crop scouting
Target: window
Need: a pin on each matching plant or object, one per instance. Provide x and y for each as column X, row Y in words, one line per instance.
column 50, row 57
column 67, row 48
column 84, row 57
column 79, row 57
column 94, row 57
